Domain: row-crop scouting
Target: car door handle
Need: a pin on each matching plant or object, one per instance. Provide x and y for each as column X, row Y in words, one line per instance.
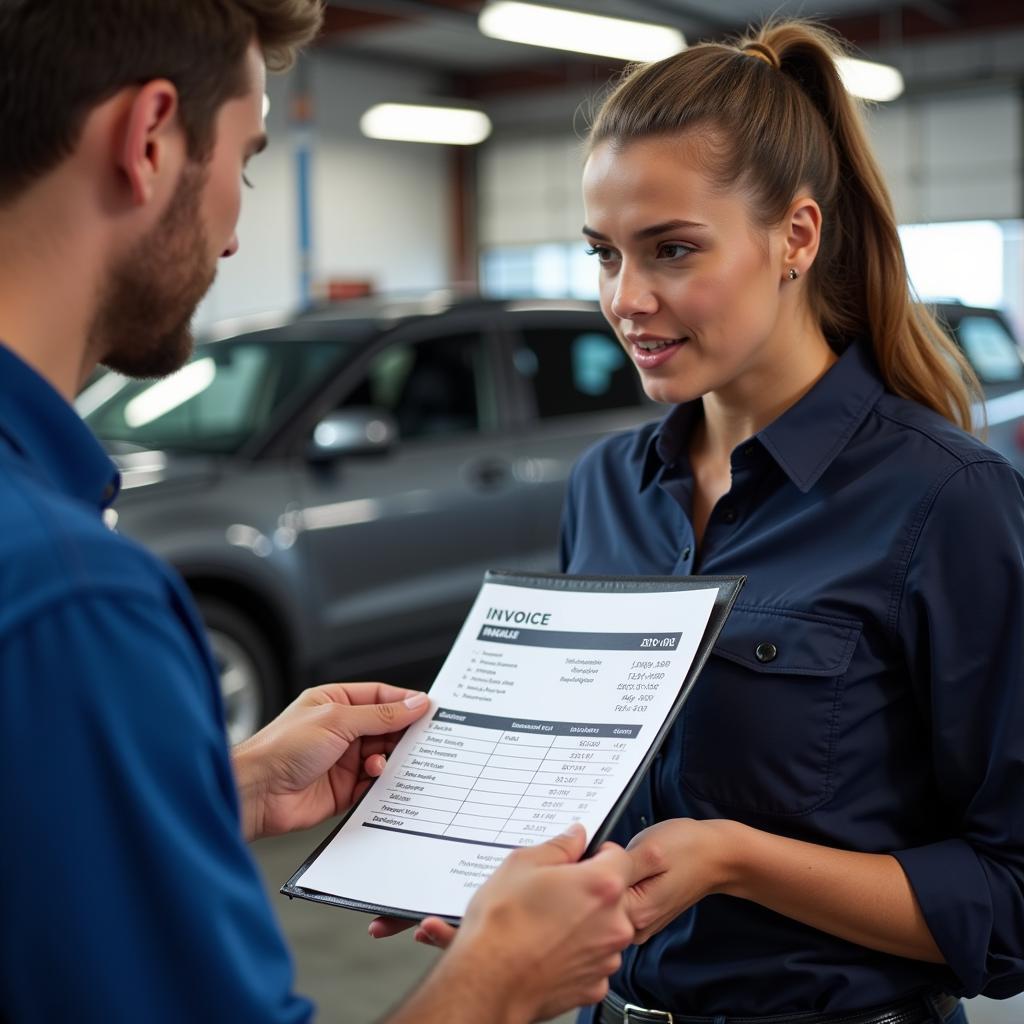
column 489, row 473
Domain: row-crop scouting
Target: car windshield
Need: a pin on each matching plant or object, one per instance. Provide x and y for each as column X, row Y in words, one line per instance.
column 228, row 392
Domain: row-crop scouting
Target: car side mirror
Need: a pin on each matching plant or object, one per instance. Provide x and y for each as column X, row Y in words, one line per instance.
column 357, row 431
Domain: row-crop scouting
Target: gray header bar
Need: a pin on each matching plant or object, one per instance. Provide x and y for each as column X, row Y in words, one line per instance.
column 537, row 726
column 571, row 641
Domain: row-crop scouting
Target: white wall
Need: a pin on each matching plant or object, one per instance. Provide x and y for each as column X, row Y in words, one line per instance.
column 263, row 274
column 382, row 209
column 379, row 210
column 953, row 157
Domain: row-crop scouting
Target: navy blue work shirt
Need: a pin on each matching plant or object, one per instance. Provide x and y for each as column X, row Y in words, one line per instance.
column 867, row 692
column 128, row 892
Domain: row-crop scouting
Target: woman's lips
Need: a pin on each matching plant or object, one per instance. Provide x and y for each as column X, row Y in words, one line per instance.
column 651, row 352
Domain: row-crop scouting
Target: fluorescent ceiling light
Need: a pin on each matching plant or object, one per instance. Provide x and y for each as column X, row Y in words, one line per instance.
column 870, row 81
column 408, row 122
column 582, row 33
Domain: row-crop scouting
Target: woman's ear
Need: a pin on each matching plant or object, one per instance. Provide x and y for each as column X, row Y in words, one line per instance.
column 803, row 235
column 152, row 144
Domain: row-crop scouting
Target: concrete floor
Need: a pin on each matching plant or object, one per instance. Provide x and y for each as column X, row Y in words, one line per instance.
column 355, row 979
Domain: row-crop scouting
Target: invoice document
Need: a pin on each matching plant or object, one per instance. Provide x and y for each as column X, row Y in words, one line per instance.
column 550, row 705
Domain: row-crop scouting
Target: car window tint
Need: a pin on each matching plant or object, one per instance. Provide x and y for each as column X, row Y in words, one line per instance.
column 226, row 393
column 991, row 350
column 440, row 386
column 572, row 371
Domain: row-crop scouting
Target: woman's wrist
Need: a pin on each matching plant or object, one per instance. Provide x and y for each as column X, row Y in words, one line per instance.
column 729, row 856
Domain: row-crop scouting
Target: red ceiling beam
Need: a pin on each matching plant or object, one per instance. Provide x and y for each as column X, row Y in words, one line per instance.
column 915, row 23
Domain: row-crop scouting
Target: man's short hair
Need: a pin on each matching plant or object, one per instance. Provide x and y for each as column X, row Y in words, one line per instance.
column 61, row 58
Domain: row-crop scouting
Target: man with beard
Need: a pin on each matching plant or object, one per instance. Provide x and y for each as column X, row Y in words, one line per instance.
column 129, row 894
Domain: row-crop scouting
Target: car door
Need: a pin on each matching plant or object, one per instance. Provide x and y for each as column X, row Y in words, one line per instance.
column 573, row 385
column 396, row 544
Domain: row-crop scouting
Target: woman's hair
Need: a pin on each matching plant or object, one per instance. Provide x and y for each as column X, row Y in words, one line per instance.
column 775, row 120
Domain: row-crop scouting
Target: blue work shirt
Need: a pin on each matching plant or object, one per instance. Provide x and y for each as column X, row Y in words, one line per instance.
column 867, row 692
column 128, row 891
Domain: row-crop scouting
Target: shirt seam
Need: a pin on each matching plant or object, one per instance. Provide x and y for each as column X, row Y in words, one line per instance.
column 917, row 529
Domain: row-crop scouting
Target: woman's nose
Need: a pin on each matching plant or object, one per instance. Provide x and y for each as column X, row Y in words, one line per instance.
column 633, row 296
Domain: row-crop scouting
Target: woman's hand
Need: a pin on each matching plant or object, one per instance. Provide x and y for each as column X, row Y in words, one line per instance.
column 675, row 864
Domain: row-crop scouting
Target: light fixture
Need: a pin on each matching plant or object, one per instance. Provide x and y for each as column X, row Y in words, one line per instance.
column 581, row 33
column 410, row 122
column 868, row 80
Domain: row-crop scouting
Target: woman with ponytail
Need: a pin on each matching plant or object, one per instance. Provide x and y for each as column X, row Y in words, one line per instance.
column 834, row 830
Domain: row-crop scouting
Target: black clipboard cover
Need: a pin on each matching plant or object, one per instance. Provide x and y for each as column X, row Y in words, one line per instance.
column 728, row 590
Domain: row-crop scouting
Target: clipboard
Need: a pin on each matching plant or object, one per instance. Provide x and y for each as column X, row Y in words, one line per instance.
column 727, row 590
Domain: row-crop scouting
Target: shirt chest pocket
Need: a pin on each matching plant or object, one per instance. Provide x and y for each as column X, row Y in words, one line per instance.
column 762, row 721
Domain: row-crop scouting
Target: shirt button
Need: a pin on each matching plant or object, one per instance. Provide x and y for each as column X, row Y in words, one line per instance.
column 729, row 515
column 686, row 551
column 643, row 821
column 748, row 450
column 765, row 652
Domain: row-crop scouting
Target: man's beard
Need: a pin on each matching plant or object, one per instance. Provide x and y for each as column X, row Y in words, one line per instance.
column 142, row 327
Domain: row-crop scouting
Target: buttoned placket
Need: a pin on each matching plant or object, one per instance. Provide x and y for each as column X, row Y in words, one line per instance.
column 727, row 514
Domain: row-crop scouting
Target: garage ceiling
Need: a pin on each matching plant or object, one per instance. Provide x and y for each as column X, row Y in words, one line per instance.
column 441, row 35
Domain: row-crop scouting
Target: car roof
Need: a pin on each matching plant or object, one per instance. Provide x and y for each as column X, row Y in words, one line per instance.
column 366, row 316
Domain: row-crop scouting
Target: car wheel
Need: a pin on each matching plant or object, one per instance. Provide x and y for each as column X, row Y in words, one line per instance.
column 249, row 673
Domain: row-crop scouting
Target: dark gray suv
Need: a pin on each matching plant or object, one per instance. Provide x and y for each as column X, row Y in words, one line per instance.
column 332, row 487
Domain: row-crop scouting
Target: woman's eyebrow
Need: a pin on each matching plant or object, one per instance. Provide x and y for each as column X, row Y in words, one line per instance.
column 651, row 232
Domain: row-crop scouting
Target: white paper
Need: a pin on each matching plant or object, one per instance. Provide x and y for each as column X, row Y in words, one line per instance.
column 540, row 716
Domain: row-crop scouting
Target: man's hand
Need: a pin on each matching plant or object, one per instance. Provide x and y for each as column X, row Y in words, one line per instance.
column 319, row 755
column 540, row 937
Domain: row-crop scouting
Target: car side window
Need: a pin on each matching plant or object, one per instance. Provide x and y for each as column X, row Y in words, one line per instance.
column 572, row 371
column 990, row 349
column 440, row 386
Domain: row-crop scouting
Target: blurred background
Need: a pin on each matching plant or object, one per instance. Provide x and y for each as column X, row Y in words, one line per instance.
column 404, row 359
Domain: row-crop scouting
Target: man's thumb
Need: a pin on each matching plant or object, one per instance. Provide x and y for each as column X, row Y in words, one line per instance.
column 564, row 849
column 377, row 719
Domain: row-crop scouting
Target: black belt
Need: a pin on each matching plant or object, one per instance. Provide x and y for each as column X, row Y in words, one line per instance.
column 919, row 1010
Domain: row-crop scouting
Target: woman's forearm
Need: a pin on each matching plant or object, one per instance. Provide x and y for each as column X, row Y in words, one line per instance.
column 862, row 897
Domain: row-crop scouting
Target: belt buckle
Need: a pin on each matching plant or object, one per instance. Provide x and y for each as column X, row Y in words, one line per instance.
column 631, row 1008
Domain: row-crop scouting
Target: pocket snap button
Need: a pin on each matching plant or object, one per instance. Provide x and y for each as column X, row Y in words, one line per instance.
column 766, row 652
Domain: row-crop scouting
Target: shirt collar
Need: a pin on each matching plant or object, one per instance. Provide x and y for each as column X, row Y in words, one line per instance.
column 806, row 438
column 45, row 430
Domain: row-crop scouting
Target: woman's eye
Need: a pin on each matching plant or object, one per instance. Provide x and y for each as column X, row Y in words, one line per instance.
column 602, row 252
column 673, row 250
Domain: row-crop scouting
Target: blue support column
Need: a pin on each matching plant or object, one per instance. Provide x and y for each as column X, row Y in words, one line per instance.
column 302, row 134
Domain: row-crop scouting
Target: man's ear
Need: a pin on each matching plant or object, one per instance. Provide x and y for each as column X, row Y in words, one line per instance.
column 803, row 233
column 153, row 142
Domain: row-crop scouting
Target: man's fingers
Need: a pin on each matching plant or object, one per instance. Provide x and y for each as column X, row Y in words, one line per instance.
column 385, row 927
column 358, row 693
column 564, row 849
column 435, row 932
column 377, row 719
